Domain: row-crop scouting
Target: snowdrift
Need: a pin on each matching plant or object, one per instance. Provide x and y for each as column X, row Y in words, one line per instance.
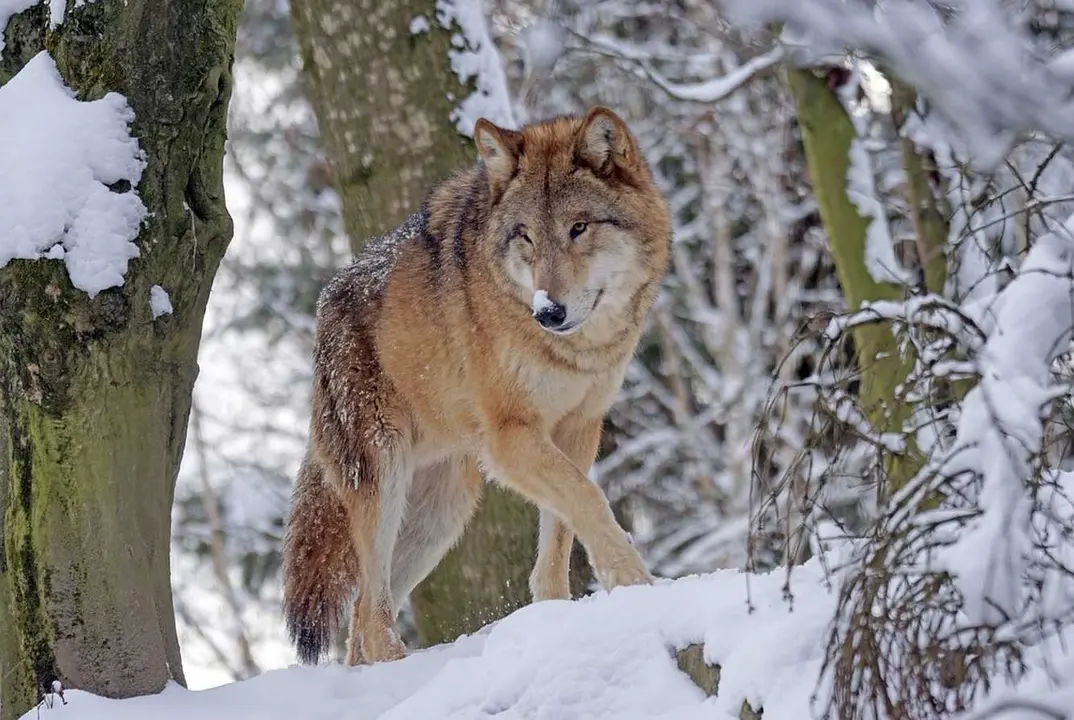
column 611, row 655
column 626, row 655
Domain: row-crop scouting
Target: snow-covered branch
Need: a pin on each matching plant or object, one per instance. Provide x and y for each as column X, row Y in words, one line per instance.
column 1001, row 432
column 974, row 60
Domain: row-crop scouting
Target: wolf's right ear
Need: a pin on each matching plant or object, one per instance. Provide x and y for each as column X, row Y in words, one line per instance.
column 604, row 142
column 499, row 150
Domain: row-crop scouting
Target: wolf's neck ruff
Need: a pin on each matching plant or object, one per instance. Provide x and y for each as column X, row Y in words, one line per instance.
column 492, row 328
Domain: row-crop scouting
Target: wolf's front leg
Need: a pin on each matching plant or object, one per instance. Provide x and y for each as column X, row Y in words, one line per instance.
column 523, row 457
column 578, row 439
column 550, row 579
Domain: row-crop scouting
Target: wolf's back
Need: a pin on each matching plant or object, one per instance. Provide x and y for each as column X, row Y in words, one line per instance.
column 320, row 567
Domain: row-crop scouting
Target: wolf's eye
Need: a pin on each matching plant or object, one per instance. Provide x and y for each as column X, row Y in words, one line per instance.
column 519, row 231
column 577, row 229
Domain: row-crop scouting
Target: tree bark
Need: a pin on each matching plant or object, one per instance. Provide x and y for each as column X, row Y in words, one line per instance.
column 827, row 134
column 928, row 207
column 381, row 96
column 95, row 393
column 383, row 99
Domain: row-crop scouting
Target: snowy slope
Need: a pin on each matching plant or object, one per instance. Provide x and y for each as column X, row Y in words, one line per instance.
column 606, row 656
column 609, row 656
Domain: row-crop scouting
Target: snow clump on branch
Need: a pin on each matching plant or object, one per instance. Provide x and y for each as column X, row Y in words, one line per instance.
column 68, row 170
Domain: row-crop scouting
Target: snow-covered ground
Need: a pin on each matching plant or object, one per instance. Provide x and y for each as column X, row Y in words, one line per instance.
column 606, row 656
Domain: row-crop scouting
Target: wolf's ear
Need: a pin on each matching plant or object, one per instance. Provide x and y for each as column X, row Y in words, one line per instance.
column 604, row 142
column 499, row 150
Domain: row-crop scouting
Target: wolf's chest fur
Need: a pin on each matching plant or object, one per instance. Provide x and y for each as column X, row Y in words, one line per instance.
column 556, row 393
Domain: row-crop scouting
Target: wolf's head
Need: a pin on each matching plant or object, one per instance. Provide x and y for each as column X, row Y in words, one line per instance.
column 576, row 227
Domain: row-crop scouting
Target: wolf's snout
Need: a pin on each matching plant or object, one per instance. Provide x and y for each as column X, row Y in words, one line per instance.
column 552, row 315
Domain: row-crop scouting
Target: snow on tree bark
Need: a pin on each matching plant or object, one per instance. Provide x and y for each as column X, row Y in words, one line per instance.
column 96, row 392
column 924, row 185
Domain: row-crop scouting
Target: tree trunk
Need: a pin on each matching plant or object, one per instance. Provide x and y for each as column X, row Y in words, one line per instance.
column 827, row 134
column 95, row 392
column 382, row 96
column 928, row 207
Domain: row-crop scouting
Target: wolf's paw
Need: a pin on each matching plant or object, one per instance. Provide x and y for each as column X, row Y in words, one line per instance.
column 550, row 584
column 627, row 570
column 354, row 653
column 383, row 649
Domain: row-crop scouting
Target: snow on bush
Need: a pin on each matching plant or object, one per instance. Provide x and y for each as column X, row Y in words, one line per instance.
column 973, row 59
column 965, row 581
column 1002, row 432
column 67, row 173
column 962, row 587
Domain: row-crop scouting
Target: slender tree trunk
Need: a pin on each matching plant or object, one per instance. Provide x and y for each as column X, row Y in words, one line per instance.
column 928, row 207
column 96, row 392
column 827, row 134
column 383, row 99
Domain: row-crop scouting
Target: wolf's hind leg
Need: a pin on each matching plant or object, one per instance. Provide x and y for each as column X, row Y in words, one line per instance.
column 442, row 500
column 376, row 516
column 354, row 640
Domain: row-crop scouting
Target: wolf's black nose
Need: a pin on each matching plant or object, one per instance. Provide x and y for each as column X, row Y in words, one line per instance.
column 552, row 315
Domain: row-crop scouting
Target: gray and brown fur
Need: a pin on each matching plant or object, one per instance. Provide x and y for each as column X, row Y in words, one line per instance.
column 429, row 367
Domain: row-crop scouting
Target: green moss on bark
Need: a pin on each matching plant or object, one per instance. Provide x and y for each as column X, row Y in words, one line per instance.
column 827, row 134
column 95, row 393
column 30, row 455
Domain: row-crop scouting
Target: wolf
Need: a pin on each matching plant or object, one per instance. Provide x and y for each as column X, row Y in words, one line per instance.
column 490, row 332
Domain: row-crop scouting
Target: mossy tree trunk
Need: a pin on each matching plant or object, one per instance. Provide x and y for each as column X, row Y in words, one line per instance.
column 381, row 95
column 95, row 393
column 827, row 133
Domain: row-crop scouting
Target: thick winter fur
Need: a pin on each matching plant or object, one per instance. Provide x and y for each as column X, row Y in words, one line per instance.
column 430, row 366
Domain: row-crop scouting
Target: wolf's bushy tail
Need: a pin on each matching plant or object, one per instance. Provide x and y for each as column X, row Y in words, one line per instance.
column 320, row 566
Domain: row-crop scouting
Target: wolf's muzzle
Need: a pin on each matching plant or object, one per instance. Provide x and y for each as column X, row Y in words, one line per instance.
column 551, row 316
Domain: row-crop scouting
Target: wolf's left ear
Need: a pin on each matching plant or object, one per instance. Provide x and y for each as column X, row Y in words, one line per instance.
column 499, row 150
column 604, row 142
